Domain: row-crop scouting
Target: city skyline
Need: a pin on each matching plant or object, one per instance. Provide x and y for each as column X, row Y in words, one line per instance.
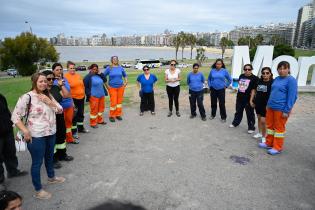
column 81, row 19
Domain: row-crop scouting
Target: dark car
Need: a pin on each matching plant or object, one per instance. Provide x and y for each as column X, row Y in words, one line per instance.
column 81, row 68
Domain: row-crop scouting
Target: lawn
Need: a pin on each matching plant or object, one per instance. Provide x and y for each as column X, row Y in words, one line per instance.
column 307, row 53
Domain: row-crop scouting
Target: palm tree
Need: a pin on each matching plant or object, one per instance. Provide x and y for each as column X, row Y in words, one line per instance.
column 183, row 42
column 224, row 43
column 176, row 42
column 191, row 40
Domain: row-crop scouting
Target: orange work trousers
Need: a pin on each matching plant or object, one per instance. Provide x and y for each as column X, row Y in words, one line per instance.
column 68, row 114
column 116, row 99
column 275, row 129
column 97, row 107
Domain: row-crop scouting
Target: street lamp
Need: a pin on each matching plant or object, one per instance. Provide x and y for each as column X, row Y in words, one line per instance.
column 26, row 22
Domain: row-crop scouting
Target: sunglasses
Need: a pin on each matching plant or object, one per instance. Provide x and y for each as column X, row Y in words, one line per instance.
column 265, row 73
column 173, row 64
column 247, row 69
column 145, row 69
column 50, row 79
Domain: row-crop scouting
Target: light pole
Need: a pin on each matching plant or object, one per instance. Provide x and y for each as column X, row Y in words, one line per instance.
column 26, row 22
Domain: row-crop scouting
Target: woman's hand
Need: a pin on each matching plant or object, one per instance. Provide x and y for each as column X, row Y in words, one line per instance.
column 252, row 104
column 44, row 99
column 27, row 135
column 285, row 115
column 61, row 82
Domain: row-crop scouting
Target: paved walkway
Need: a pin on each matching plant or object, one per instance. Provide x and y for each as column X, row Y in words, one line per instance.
column 178, row 163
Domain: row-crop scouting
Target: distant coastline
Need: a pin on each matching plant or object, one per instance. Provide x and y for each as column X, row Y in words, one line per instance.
column 99, row 53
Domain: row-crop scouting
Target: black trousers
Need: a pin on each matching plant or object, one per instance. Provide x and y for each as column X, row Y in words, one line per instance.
column 218, row 95
column 8, row 154
column 196, row 96
column 78, row 118
column 147, row 102
column 173, row 94
column 241, row 104
column 60, row 144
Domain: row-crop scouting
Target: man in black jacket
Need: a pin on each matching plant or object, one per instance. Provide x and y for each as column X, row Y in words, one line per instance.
column 7, row 143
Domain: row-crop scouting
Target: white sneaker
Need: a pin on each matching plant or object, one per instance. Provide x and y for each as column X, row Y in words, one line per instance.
column 250, row 131
column 263, row 140
column 232, row 126
column 257, row 136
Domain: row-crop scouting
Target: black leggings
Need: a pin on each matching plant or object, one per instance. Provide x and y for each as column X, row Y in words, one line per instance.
column 147, row 102
column 218, row 95
column 173, row 94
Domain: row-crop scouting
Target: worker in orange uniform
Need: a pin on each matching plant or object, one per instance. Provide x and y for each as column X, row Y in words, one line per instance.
column 66, row 103
column 116, row 85
column 77, row 92
column 281, row 101
column 95, row 92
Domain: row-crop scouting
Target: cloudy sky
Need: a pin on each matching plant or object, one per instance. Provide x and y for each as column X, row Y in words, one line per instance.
column 124, row 17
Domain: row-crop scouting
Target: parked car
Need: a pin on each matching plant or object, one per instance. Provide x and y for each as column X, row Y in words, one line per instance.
column 126, row 65
column 182, row 65
column 81, row 68
column 12, row 72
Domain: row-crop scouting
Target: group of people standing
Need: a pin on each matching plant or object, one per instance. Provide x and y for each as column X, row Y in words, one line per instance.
column 55, row 107
column 272, row 99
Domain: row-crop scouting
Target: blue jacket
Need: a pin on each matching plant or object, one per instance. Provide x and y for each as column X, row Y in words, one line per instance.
column 87, row 84
column 219, row 79
column 283, row 94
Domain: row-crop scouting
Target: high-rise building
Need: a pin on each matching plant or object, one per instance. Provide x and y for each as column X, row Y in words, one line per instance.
column 303, row 25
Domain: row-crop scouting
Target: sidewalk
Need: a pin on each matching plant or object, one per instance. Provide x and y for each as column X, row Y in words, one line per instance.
column 179, row 163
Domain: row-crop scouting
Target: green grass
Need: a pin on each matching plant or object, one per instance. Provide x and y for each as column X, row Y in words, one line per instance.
column 307, row 53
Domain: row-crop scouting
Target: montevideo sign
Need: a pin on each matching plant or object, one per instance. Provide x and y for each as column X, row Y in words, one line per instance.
column 263, row 58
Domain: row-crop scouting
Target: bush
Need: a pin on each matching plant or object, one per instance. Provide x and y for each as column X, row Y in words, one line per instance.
column 24, row 51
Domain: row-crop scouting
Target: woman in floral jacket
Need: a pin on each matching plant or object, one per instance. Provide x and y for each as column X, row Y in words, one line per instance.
column 39, row 108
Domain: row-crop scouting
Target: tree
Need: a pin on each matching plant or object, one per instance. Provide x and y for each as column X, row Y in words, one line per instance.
column 277, row 40
column 247, row 41
column 281, row 49
column 191, row 40
column 200, row 57
column 176, row 42
column 183, row 42
column 223, row 44
column 201, row 42
column 25, row 51
column 259, row 39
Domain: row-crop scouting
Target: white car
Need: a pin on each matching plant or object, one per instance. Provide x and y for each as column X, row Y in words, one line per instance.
column 126, row 65
column 182, row 65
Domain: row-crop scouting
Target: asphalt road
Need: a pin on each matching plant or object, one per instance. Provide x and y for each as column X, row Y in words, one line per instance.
column 178, row 163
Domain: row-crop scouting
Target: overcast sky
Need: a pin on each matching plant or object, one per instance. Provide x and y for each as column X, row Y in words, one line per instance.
column 114, row 17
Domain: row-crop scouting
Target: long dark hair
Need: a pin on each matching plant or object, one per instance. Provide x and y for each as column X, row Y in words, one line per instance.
column 269, row 69
column 34, row 79
column 6, row 197
column 215, row 63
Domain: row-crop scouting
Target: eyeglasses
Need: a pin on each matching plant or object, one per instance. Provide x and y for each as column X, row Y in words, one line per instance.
column 247, row 69
column 173, row 64
column 145, row 69
column 265, row 73
column 50, row 79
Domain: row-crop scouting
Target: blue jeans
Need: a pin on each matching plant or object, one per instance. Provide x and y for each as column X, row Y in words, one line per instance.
column 41, row 148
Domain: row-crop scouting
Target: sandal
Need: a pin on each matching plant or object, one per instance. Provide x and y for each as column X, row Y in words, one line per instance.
column 43, row 195
column 56, row 180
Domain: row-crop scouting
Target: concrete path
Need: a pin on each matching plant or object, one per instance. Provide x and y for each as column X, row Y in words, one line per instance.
column 178, row 163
